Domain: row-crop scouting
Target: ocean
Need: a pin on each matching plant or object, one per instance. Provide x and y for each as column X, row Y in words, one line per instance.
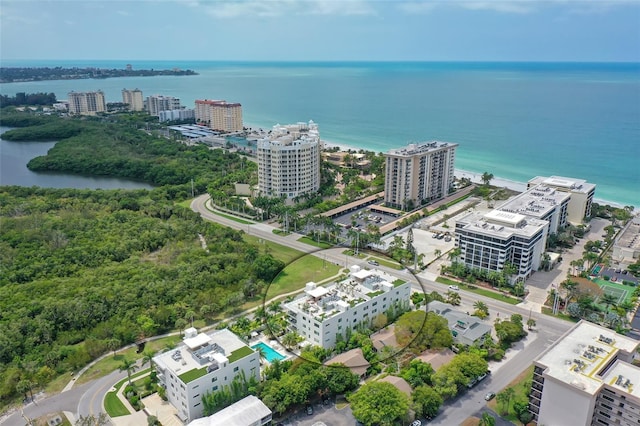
column 514, row 120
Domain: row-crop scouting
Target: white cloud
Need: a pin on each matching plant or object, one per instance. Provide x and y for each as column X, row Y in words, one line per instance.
column 272, row 8
column 523, row 6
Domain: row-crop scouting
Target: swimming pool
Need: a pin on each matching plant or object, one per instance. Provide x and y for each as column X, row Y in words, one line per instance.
column 269, row 353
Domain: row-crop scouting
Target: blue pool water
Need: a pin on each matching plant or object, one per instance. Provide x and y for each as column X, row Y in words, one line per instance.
column 269, row 353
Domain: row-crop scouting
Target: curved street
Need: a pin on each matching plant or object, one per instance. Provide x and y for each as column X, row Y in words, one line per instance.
column 88, row 398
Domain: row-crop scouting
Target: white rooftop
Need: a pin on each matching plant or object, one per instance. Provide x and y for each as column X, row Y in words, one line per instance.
column 624, row 377
column 536, row 201
column 247, row 411
column 501, row 224
column 507, row 218
column 317, row 292
column 567, row 183
column 579, row 357
column 197, row 341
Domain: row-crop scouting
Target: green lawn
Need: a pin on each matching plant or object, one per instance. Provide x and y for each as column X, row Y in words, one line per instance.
column 521, row 386
column 191, row 375
column 549, row 311
column 234, row 218
column 312, row 242
column 296, row 274
column 279, row 251
column 113, row 405
column 479, row 290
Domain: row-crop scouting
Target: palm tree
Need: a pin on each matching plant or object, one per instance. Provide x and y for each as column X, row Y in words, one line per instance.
column 262, row 352
column 487, row 420
column 481, row 307
column 129, row 367
column 180, row 324
column 453, row 297
column 486, row 178
column 608, row 300
column 453, row 254
column 437, row 253
column 113, row 345
column 147, row 357
column 290, row 339
column 531, row 323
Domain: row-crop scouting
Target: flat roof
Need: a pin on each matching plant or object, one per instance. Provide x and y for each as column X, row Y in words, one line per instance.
column 508, row 218
column 421, row 148
column 317, row 292
column 197, row 341
column 478, row 223
column 247, row 411
column 536, row 201
column 624, row 377
column 579, row 356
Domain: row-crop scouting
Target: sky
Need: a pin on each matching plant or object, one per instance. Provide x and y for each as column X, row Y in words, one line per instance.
column 321, row 30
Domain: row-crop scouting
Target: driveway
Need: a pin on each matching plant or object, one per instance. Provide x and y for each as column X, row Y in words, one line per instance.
column 327, row 414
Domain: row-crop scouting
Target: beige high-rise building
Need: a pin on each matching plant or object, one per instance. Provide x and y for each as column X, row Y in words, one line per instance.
column 289, row 160
column 133, row 98
column 158, row 103
column 87, row 103
column 581, row 191
column 219, row 115
column 587, row 378
column 419, row 174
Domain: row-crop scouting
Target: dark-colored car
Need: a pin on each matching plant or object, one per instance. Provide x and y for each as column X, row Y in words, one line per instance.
column 309, row 410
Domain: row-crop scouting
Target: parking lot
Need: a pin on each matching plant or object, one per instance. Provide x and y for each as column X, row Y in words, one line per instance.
column 328, row 415
column 363, row 217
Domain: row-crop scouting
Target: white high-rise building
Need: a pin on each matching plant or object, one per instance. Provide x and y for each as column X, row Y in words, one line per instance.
column 322, row 313
column 492, row 240
column 133, row 98
column 203, row 363
column 157, row 103
column 87, row 103
column 289, row 160
column 418, row 174
column 587, row 378
column 581, row 191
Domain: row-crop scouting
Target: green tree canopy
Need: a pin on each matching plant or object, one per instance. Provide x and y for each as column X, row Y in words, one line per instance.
column 379, row 403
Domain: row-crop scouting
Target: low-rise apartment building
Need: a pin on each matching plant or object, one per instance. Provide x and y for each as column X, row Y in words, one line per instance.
column 418, row 174
column 490, row 241
column 465, row 329
column 581, row 191
column 586, row 378
column 289, row 160
column 203, row 363
column 322, row 313
column 249, row 411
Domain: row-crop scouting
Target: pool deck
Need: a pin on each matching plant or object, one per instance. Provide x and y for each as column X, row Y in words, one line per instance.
column 273, row 344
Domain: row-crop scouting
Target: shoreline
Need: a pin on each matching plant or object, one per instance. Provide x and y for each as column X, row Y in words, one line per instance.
column 477, row 177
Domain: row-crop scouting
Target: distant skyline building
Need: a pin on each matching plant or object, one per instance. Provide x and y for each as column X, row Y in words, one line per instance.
column 587, row 378
column 177, row 114
column 87, row 103
column 581, row 191
column 157, row 103
column 289, row 160
column 418, row 174
column 219, row 115
column 133, row 98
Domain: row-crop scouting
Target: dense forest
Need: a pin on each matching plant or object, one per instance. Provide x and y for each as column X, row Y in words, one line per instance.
column 23, row 98
column 82, row 271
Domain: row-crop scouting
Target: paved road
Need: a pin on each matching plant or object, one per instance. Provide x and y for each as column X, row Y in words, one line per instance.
column 87, row 399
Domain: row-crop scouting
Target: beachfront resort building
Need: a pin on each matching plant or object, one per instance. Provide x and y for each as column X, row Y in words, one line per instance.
column 184, row 114
column 322, row 313
column 418, row 174
column 489, row 241
column 289, row 160
column 87, row 103
column 465, row 329
column 581, row 191
column 133, row 98
column 587, row 378
column 544, row 203
column 203, row 363
column 219, row 115
column 157, row 103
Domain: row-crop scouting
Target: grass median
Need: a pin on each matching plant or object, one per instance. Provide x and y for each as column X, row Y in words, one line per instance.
column 479, row 290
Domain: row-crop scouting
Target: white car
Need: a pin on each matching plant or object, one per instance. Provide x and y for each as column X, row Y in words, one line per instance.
column 454, row 288
column 416, row 423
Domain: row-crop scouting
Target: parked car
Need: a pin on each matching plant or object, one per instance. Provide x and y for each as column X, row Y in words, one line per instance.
column 482, row 376
column 416, row 423
column 309, row 410
column 373, row 262
column 489, row 396
column 454, row 288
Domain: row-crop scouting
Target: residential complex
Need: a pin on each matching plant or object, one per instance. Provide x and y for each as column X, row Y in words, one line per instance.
column 87, row 103
column 133, row 98
column 219, row 115
column 626, row 247
column 157, row 103
column 177, row 114
column 249, row 411
column 203, row 363
column 418, row 174
column 489, row 241
column 322, row 313
column 581, row 192
column 289, row 160
column 586, row 378
column 466, row 329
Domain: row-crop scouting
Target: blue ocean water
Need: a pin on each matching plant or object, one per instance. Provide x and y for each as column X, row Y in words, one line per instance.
column 515, row 120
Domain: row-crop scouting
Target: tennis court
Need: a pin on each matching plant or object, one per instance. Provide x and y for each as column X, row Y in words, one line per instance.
column 619, row 291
